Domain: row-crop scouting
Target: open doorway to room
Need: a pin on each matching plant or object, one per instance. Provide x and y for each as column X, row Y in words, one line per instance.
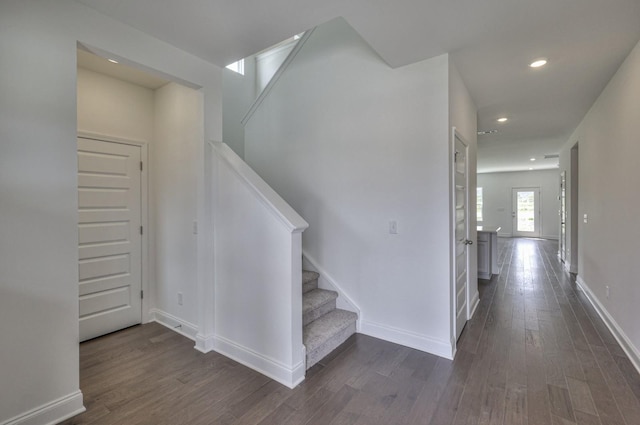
column 575, row 208
column 140, row 139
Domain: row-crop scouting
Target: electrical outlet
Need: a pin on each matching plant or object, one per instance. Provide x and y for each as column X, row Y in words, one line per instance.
column 179, row 298
column 608, row 292
column 393, row 227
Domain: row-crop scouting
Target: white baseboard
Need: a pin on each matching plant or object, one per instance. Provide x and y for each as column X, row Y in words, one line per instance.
column 552, row 237
column 504, row 235
column 632, row 352
column 567, row 266
column 174, row 323
column 205, row 343
column 408, row 339
column 287, row 376
column 51, row 413
column 325, row 281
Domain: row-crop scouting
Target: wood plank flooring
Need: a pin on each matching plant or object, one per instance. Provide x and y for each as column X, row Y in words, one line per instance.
column 535, row 353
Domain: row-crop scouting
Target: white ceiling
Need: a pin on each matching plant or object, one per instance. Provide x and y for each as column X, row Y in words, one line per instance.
column 492, row 42
column 120, row 71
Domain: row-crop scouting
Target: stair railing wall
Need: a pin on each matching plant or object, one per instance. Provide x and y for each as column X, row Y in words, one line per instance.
column 258, row 270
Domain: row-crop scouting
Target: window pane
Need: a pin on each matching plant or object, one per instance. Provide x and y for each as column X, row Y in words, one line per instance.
column 526, row 211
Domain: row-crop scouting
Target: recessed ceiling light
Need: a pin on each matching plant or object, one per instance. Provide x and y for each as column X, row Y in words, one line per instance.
column 112, row 60
column 530, row 168
column 532, row 159
column 538, row 63
column 503, row 119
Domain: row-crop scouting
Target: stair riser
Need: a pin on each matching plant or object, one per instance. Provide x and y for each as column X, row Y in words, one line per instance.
column 309, row 286
column 330, row 345
column 312, row 315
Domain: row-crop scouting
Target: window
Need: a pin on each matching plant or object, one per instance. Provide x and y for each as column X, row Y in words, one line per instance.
column 237, row 67
column 479, row 204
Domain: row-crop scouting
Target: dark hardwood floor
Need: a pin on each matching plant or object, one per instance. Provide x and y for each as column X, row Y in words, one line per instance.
column 535, row 353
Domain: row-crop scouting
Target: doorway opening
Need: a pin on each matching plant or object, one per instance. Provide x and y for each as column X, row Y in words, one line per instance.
column 574, row 208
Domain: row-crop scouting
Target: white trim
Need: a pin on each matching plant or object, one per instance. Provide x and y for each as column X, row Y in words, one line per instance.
column 205, row 343
column 567, row 267
column 174, row 323
column 551, row 237
column 474, row 305
column 326, row 281
column 261, row 190
column 144, row 210
column 289, row 377
column 632, row 352
column 409, row 339
column 51, row 413
column 504, row 235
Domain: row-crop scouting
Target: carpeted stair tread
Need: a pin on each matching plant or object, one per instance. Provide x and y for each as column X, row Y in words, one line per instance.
column 322, row 329
column 315, row 298
column 317, row 303
column 309, row 281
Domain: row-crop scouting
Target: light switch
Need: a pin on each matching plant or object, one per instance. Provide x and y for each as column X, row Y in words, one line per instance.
column 585, row 218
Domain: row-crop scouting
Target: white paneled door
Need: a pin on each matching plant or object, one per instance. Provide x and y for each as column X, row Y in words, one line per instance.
column 461, row 232
column 109, row 236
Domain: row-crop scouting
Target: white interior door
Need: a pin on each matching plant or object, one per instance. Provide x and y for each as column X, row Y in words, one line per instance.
column 526, row 212
column 461, row 232
column 109, row 236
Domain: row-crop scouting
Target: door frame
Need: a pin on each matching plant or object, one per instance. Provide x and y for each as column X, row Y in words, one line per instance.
column 144, row 210
column 538, row 212
column 563, row 217
column 452, row 232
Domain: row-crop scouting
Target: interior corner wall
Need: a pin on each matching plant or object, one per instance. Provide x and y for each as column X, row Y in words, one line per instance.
column 239, row 93
column 39, row 366
column 111, row 107
column 351, row 144
column 608, row 187
column 463, row 115
column 497, row 198
column 175, row 152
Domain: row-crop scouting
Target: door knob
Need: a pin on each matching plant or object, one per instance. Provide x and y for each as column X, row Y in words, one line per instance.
column 468, row 242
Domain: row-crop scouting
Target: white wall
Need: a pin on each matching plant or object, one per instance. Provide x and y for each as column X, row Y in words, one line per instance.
column 174, row 155
column 463, row 115
column 112, row 107
column 497, row 198
column 352, row 144
column 267, row 63
column 608, row 187
column 38, row 189
column 239, row 93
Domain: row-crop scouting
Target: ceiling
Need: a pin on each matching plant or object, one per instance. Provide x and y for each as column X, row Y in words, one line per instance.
column 491, row 41
column 120, row 71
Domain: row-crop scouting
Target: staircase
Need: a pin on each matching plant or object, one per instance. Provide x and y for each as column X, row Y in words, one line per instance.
column 324, row 326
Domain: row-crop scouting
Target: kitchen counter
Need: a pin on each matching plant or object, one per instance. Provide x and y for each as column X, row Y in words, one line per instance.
column 488, row 251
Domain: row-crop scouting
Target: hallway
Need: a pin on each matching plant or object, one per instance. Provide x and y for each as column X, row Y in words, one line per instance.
column 535, row 353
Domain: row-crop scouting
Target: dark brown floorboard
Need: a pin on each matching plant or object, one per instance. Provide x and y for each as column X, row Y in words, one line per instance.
column 535, row 353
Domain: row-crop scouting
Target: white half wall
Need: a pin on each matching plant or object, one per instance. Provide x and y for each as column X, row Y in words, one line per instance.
column 38, row 187
column 608, row 185
column 497, row 198
column 352, row 144
column 258, row 263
